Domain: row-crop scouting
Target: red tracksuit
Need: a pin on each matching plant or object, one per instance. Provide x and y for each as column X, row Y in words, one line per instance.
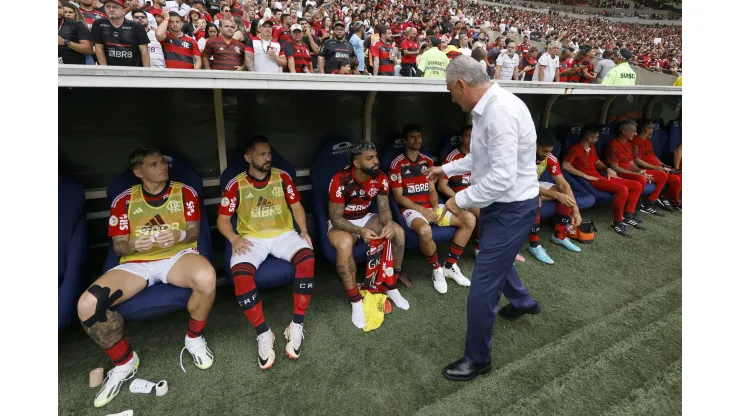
column 621, row 153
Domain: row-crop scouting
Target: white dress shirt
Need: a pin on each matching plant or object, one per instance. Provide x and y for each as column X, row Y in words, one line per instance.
column 503, row 150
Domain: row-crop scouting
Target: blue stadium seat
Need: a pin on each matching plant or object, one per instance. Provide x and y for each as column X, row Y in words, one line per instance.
column 449, row 143
column 674, row 136
column 72, row 259
column 273, row 272
column 660, row 142
column 573, row 136
column 333, row 157
column 159, row 298
column 606, row 135
column 439, row 234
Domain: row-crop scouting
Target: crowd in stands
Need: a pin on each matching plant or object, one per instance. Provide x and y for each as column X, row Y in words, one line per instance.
column 370, row 37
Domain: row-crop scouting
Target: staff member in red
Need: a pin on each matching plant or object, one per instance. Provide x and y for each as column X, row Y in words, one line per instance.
column 382, row 50
column 621, row 158
column 582, row 161
column 409, row 52
column 180, row 51
column 227, row 52
column 645, row 158
column 299, row 57
column 118, row 41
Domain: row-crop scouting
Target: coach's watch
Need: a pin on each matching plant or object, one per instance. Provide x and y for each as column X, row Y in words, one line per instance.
column 66, row 43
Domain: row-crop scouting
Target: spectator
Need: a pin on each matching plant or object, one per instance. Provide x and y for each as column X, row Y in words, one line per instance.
column 357, row 30
column 211, row 32
column 334, row 48
column 548, row 66
column 91, row 13
column 72, row 12
column 132, row 5
column 479, row 54
column 507, row 64
column 179, row 5
column 196, row 26
column 345, row 67
column 74, row 40
column 464, row 47
column 241, row 29
column 299, row 58
column 383, row 62
column 409, row 52
column 180, row 51
column 281, row 31
column 524, row 46
column 227, row 53
column 156, row 55
column 119, row 42
column 621, row 74
column 587, row 74
column 528, row 64
column 604, row 66
column 263, row 53
column 224, row 15
column 433, row 63
column 213, row 7
column 311, row 41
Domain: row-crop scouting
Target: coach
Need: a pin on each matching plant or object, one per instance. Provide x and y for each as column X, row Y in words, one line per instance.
column 505, row 188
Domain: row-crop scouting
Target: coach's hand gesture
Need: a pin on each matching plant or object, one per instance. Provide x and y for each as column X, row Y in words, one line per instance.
column 434, row 173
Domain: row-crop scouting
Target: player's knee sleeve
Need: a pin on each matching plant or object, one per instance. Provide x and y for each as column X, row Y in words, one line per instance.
column 303, row 260
column 105, row 299
column 246, row 291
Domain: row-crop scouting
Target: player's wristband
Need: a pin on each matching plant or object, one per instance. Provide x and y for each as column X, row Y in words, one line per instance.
column 183, row 234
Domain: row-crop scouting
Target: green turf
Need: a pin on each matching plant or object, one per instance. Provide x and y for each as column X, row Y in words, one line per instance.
column 608, row 341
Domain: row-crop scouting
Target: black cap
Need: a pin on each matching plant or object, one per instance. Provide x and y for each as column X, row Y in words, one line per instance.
column 625, row 54
column 337, row 23
column 436, row 41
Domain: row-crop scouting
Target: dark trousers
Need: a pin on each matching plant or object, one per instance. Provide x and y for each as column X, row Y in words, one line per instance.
column 503, row 229
column 409, row 70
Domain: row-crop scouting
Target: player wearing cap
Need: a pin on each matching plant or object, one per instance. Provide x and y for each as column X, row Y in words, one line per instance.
column 180, row 51
column 118, row 41
column 297, row 53
column 621, row 74
column 645, row 158
column 433, row 62
column 154, row 228
column 335, row 48
column 566, row 209
column 351, row 192
column 419, row 204
column 263, row 54
column 260, row 197
column 382, row 50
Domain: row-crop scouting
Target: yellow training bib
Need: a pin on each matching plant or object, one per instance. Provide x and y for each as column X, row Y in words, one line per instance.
column 541, row 168
column 262, row 213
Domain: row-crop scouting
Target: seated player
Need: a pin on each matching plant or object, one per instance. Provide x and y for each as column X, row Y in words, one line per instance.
column 565, row 208
column 260, row 197
column 154, row 228
column 621, row 158
column 420, row 207
column 351, row 192
column 581, row 160
column 645, row 158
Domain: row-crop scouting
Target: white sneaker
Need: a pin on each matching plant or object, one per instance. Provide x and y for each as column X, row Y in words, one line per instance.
column 198, row 348
column 358, row 314
column 114, row 381
column 265, row 353
column 398, row 300
column 294, row 334
column 440, row 284
column 455, row 274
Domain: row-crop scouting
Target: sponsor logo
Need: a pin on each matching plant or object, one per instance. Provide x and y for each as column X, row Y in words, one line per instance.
column 605, row 130
column 372, row 192
column 575, row 130
column 291, row 192
column 554, row 169
column 362, row 192
column 190, row 208
column 340, row 191
column 155, row 225
column 123, row 223
column 237, row 49
column 455, row 141
column 341, row 148
column 186, row 44
column 277, row 191
column 407, row 172
column 115, row 53
column 373, row 263
column 417, row 188
column 466, row 179
column 354, row 193
column 249, row 196
column 225, row 202
column 265, row 208
column 113, row 221
column 356, row 208
column 385, row 184
column 306, row 285
column 424, row 168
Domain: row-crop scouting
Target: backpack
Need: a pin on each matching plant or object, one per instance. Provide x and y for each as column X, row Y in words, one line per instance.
column 584, row 233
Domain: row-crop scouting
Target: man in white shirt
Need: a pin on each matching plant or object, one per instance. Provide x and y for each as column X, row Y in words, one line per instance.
column 548, row 66
column 266, row 55
column 156, row 55
column 504, row 186
column 507, row 64
column 134, row 5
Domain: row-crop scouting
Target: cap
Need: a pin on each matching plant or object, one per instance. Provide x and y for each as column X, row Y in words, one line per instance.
column 436, row 41
column 337, row 23
column 625, row 54
column 194, row 10
column 267, row 22
column 119, row 2
column 296, row 27
column 156, row 12
column 176, row 12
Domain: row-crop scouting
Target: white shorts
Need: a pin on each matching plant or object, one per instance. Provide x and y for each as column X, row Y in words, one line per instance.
column 360, row 222
column 154, row 271
column 546, row 185
column 282, row 247
column 410, row 215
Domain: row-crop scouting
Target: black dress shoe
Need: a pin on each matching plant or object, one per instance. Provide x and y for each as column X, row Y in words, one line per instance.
column 510, row 313
column 465, row 370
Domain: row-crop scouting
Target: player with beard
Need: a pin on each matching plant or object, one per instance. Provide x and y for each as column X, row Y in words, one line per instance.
column 260, row 197
column 335, row 48
column 566, row 209
column 351, row 192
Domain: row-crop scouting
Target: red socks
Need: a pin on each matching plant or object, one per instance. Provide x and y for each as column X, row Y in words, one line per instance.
column 454, row 256
column 561, row 228
column 195, row 328
column 433, row 260
column 303, row 284
column 120, row 353
column 248, row 296
column 354, row 294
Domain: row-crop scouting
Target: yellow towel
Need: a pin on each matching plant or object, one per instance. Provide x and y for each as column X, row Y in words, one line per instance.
column 374, row 306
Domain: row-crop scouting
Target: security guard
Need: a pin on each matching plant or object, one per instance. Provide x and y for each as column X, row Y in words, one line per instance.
column 434, row 62
column 621, row 74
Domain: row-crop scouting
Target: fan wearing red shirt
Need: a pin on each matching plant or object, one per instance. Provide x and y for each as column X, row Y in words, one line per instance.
column 409, row 52
column 581, row 160
column 621, row 158
column 524, row 46
column 420, row 207
column 281, row 32
column 645, row 158
column 351, row 192
column 180, row 51
column 227, row 52
column 381, row 51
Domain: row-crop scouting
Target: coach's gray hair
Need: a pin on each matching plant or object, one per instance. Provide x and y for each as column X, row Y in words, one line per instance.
column 626, row 124
column 468, row 70
column 554, row 44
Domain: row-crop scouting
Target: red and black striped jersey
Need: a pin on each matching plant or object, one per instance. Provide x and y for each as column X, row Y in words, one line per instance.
column 300, row 54
column 411, row 176
column 356, row 196
column 91, row 16
column 179, row 52
column 458, row 182
column 226, row 56
column 383, row 52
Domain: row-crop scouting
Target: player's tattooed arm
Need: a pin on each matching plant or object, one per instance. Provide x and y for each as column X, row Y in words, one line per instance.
column 336, row 216
column 384, row 210
column 192, row 232
column 122, row 246
column 107, row 333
